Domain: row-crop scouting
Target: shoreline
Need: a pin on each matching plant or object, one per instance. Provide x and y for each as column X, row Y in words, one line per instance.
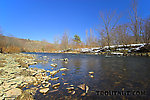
column 15, row 74
column 102, row 53
column 19, row 82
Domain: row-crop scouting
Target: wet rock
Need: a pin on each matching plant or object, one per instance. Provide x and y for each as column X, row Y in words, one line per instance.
column 63, row 74
column 71, row 85
column 70, row 88
column 48, row 71
column 29, row 79
column 73, row 92
column 54, row 65
column 32, row 63
column 45, row 82
column 87, row 88
column 83, row 94
column 54, row 78
column 82, row 86
column 63, row 69
column 56, row 85
column 91, row 72
column 35, row 84
column 26, row 95
column 91, row 76
column 14, row 92
column 46, row 78
column 44, row 90
column 53, row 90
column 48, row 85
column 54, row 72
column 66, row 83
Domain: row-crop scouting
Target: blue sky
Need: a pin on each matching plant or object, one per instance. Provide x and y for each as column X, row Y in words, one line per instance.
column 46, row 19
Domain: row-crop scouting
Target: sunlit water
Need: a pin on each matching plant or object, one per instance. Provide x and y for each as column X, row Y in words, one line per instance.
column 110, row 74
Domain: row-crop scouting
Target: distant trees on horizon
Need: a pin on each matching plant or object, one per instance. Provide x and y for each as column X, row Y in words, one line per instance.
column 113, row 33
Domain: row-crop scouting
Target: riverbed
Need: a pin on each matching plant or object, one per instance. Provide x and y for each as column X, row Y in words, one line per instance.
column 115, row 73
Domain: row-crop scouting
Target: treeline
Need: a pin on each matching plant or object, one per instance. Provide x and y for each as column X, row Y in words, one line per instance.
column 137, row 30
column 12, row 44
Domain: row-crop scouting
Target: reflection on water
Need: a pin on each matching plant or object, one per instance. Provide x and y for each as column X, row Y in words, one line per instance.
column 115, row 73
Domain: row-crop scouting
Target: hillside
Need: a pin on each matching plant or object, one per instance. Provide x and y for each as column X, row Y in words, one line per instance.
column 13, row 44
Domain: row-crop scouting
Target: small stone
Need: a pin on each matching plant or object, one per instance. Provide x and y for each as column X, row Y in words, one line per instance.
column 82, row 86
column 55, row 85
column 44, row 90
column 91, row 72
column 48, row 71
column 54, row 78
column 83, row 94
column 54, row 72
column 73, row 92
column 70, row 88
column 48, row 85
column 63, row 69
column 87, row 88
column 66, row 83
column 35, row 84
column 91, row 76
column 63, row 74
column 54, row 90
column 54, row 65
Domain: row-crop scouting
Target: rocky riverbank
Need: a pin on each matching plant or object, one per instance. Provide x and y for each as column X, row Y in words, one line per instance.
column 15, row 74
column 19, row 82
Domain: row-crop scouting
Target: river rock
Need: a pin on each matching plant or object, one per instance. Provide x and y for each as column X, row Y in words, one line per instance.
column 66, row 83
column 63, row 74
column 91, row 72
column 29, row 79
column 81, row 86
column 70, row 88
column 83, row 94
column 56, row 85
column 44, row 90
column 63, row 69
column 87, row 88
column 73, row 92
column 91, row 76
column 47, row 85
column 54, row 72
column 56, row 78
column 13, row 92
column 54, row 65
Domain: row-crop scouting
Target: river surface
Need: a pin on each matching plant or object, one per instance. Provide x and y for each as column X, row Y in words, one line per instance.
column 114, row 73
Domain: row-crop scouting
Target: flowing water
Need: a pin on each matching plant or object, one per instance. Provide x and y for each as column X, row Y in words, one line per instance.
column 114, row 73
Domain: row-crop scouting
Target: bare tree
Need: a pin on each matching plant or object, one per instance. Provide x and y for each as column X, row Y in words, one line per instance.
column 120, row 34
column 102, row 39
column 64, row 41
column 56, row 42
column 109, row 21
column 91, row 40
column 135, row 23
column 146, row 33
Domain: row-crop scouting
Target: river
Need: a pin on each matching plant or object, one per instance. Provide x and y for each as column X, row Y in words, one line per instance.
column 114, row 73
